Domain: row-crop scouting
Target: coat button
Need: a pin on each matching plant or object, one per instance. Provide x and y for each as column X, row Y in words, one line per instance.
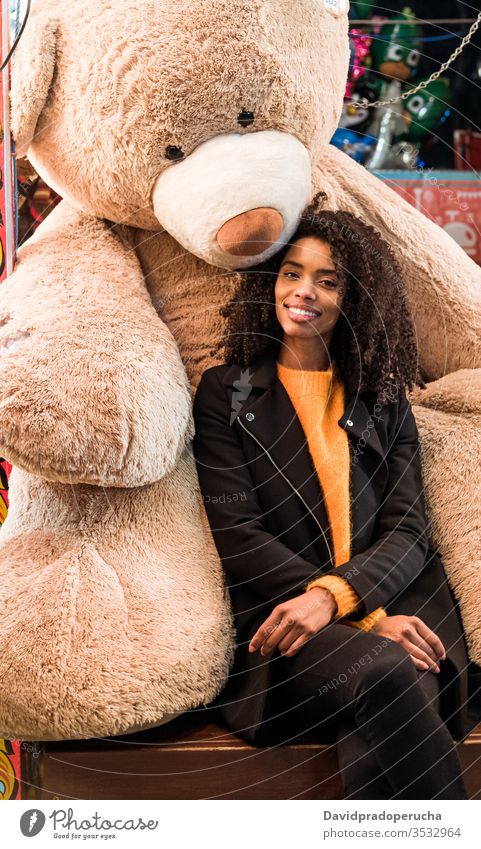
column 250, row 417
column 349, row 422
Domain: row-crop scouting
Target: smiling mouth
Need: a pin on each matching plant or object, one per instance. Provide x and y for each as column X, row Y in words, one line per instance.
column 302, row 311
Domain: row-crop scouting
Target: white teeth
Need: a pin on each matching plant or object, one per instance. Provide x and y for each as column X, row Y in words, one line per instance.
column 298, row 311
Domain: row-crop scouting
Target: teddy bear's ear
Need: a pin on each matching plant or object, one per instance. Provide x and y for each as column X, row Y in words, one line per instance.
column 33, row 65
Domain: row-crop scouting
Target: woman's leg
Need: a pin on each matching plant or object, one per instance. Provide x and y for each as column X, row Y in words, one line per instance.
column 405, row 732
column 370, row 682
column 361, row 773
column 362, row 777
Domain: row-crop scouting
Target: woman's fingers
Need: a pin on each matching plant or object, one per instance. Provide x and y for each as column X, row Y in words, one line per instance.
column 424, row 647
column 430, row 638
column 296, row 646
column 289, row 639
column 420, row 658
column 282, row 637
column 419, row 664
column 270, row 633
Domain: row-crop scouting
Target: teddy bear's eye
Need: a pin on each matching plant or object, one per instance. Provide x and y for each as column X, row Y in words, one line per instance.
column 174, row 153
column 245, row 118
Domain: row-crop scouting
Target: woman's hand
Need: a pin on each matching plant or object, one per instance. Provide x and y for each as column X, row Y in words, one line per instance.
column 425, row 648
column 294, row 622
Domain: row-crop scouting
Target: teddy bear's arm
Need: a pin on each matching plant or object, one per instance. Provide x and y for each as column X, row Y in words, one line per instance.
column 92, row 386
column 443, row 283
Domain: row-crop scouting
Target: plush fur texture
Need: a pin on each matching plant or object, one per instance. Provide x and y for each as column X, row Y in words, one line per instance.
column 132, row 78
column 114, row 614
column 449, row 424
column 113, row 611
column 119, row 410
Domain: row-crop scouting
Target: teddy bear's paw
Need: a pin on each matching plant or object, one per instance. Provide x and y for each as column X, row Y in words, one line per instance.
column 82, row 405
column 63, row 431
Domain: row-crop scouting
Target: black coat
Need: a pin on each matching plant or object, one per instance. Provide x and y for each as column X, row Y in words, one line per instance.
column 265, row 507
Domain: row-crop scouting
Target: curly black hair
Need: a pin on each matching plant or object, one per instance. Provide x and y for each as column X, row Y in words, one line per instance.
column 374, row 341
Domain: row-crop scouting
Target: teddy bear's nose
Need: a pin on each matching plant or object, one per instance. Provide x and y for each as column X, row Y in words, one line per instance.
column 250, row 233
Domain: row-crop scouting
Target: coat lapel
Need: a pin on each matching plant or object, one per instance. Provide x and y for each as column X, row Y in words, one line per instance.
column 266, row 411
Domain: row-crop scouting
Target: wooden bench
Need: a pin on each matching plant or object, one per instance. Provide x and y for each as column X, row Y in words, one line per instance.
column 194, row 758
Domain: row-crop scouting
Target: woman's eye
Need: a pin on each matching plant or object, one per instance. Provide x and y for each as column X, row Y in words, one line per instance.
column 174, row 153
column 290, row 274
column 329, row 283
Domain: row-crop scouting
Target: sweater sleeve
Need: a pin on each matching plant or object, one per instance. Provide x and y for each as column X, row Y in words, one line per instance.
column 347, row 601
column 369, row 621
column 346, row 597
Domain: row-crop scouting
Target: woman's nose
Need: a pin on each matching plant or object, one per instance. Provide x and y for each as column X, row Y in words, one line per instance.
column 305, row 289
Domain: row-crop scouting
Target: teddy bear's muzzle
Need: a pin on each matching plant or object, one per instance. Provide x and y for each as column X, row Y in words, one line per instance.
column 236, row 198
column 251, row 233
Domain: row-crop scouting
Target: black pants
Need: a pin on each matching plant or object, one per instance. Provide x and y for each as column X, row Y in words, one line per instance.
column 364, row 691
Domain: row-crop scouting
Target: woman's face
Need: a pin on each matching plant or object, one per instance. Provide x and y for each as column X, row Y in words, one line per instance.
column 308, row 291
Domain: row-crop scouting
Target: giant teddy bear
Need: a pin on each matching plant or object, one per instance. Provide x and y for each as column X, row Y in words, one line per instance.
column 186, row 138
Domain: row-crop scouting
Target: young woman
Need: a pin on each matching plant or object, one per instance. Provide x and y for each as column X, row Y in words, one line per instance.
column 308, row 459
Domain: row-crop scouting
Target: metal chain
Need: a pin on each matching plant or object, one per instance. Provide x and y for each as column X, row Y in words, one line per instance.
column 365, row 104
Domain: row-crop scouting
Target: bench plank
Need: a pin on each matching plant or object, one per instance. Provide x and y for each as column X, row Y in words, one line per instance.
column 192, row 757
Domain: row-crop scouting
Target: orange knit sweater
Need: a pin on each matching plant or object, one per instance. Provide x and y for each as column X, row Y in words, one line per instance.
column 318, row 399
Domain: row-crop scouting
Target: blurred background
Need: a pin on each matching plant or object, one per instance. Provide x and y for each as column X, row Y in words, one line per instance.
column 428, row 145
